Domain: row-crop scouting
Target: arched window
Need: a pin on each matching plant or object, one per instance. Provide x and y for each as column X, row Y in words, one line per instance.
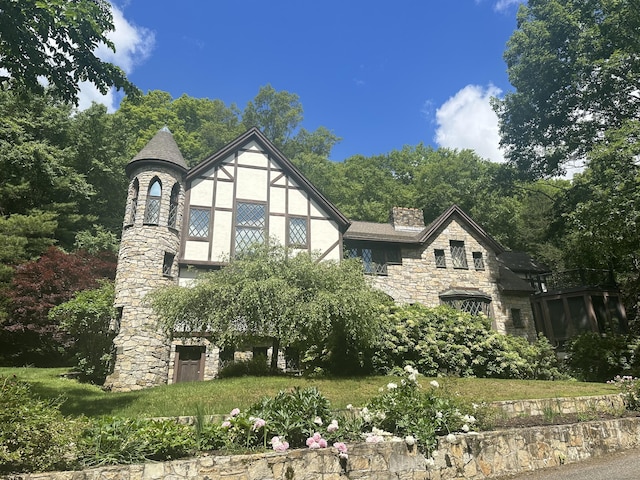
column 471, row 301
column 152, row 212
column 134, row 201
column 173, row 206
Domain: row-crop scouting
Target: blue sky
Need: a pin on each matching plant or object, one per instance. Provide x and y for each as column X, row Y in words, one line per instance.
column 380, row 75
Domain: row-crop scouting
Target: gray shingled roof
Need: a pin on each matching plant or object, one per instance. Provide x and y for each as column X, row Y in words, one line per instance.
column 162, row 147
column 522, row 262
column 509, row 282
column 380, row 232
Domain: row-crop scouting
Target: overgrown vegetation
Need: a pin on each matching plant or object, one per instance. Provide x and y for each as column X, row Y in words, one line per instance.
column 593, row 357
column 36, row 437
column 445, row 341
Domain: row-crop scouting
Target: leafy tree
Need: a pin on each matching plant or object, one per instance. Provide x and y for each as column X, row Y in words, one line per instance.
column 87, row 318
column 601, row 212
column 576, row 71
column 326, row 309
column 56, row 40
column 27, row 335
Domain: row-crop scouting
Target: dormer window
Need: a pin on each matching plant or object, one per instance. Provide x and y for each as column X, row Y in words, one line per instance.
column 152, row 211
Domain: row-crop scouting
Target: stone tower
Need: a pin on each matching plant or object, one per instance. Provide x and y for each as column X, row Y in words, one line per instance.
column 148, row 259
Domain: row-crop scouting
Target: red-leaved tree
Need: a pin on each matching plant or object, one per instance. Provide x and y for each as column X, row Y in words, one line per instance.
column 28, row 336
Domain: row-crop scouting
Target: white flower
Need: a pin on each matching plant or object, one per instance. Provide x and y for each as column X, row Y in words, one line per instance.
column 409, row 440
column 430, row 462
column 380, row 415
column 349, row 407
column 451, row 438
column 317, row 421
column 465, row 428
column 333, row 426
column 434, row 384
column 438, row 414
column 392, row 386
column 469, row 419
column 409, row 369
column 413, row 377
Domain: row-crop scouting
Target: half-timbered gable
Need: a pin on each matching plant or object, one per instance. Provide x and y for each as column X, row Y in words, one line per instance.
column 249, row 192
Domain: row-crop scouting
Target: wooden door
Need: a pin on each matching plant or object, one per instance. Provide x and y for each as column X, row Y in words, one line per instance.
column 189, row 363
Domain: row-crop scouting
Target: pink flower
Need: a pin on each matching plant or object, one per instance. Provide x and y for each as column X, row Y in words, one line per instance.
column 333, row 426
column 281, row 447
column 323, row 443
column 258, row 424
column 316, row 441
column 340, row 446
column 235, row 412
column 226, row 424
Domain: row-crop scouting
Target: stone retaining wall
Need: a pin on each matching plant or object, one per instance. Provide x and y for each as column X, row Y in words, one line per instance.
column 596, row 403
column 471, row 456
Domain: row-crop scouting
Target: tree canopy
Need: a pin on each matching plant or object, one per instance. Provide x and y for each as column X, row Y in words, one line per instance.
column 576, row 72
column 327, row 310
column 56, row 40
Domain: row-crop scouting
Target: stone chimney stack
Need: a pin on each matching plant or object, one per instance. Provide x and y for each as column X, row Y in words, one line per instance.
column 407, row 219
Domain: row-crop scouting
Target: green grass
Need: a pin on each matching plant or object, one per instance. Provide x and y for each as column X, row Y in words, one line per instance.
column 220, row 396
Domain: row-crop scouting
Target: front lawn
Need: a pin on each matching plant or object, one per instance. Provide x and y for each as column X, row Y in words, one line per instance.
column 221, row 396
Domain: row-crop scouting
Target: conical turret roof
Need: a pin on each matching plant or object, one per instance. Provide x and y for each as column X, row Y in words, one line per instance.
column 161, row 148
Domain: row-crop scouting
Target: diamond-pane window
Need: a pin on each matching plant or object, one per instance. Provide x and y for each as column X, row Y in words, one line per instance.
column 173, row 206
column 152, row 212
column 441, row 262
column 251, row 215
column 298, row 232
column 199, row 222
column 458, row 254
column 245, row 237
column 472, row 305
column 478, row 261
column 134, row 200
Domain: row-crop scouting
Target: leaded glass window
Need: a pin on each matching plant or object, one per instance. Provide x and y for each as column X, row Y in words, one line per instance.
column 478, row 261
column 298, row 232
column 134, row 200
column 375, row 260
column 173, row 206
column 441, row 261
column 472, row 305
column 152, row 211
column 458, row 254
column 250, row 224
column 199, row 222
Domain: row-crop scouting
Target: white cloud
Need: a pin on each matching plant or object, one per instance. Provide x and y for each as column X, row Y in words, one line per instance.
column 133, row 45
column 467, row 120
column 502, row 5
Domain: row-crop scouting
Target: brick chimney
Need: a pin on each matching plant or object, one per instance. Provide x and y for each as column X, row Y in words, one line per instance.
column 407, row 219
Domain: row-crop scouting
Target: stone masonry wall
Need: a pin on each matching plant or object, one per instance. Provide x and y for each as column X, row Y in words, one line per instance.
column 142, row 350
column 474, row 456
column 418, row 280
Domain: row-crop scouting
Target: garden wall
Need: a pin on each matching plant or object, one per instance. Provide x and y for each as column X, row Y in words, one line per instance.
column 470, row 456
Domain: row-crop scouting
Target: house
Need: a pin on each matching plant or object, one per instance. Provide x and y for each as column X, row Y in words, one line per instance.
column 451, row 261
column 180, row 221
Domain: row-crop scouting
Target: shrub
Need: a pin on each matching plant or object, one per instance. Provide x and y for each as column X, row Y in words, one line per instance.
column 630, row 388
column 408, row 410
column 111, row 441
column 255, row 367
column 34, row 436
column 593, row 357
column 444, row 341
column 294, row 415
